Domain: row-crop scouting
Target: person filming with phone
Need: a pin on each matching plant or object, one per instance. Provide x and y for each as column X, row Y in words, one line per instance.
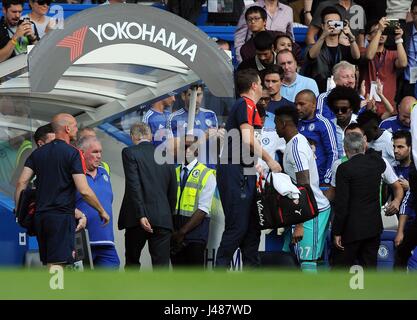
column 381, row 64
column 15, row 34
column 327, row 51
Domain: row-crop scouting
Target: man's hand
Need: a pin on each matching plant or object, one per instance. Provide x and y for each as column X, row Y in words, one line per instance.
column 178, row 236
column 382, row 24
column 392, row 208
column 104, row 217
column 346, row 30
column 338, row 242
column 274, row 166
column 146, row 225
column 398, row 32
column 399, row 238
column 404, row 183
column 82, row 223
column 298, row 233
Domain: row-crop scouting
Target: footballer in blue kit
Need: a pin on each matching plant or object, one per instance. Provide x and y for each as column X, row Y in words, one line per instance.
column 320, row 130
column 204, row 120
column 157, row 118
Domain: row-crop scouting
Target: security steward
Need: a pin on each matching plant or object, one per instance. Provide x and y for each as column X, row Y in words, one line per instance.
column 196, row 186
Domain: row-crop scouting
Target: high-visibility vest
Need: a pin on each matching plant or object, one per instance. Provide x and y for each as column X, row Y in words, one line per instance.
column 187, row 199
column 105, row 166
column 26, row 145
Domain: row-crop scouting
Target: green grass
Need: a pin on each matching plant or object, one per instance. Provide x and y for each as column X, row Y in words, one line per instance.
column 193, row 285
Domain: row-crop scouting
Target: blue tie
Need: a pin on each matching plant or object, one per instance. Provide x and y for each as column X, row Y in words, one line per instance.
column 184, row 177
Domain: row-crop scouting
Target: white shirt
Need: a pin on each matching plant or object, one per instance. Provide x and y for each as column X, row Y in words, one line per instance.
column 298, row 157
column 388, row 176
column 206, row 194
column 271, row 143
column 384, row 144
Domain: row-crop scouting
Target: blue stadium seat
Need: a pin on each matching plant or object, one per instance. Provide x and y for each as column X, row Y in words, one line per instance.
column 386, row 252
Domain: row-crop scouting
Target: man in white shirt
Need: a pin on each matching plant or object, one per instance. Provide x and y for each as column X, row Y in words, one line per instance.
column 378, row 139
column 300, row 165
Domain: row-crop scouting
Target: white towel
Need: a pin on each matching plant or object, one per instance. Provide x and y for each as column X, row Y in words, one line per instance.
column 284, row 185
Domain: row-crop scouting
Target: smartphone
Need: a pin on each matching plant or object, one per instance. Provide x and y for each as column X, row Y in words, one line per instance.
column 338, row 25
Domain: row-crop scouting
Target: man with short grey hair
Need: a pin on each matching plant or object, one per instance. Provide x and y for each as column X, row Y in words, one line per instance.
column 101, row 238
column 140, row 131
column 357, row 224
column 344, row 76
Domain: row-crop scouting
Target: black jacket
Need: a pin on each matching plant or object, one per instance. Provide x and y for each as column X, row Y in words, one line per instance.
column 358, row 212
column 150, row 188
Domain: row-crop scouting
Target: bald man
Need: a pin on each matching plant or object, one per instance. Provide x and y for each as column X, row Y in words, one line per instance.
column 60, row 172
column 314, row 126
column 401, row 121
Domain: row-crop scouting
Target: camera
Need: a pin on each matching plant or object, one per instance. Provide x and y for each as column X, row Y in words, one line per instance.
column 393, row 24
column 338, row 25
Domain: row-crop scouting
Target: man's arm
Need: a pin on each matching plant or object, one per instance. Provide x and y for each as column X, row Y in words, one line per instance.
column 22, row 183
column 311, row 34
column 89, row 196
column 373, row 45
column 341, row 201
column 303, row 177
column 401, row 61
column 400, row 231
column 172, row 189
column 394, row 206
column 329, row 141
column 308, row 4
column 133, row 187
column 315, row 49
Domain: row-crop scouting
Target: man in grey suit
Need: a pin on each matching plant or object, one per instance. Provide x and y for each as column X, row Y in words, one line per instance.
column 149, row 200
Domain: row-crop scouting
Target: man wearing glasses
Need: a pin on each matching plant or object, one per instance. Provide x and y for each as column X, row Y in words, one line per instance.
column 15, row 34
column 279, row 18
column 344, row 102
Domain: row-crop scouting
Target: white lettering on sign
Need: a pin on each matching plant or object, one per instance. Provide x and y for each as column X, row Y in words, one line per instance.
column 135, row 31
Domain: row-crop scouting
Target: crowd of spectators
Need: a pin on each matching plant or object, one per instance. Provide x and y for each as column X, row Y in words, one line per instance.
column 356, row 72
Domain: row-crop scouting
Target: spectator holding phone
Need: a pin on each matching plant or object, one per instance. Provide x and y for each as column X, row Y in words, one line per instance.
column 410, row 38
column 15, row 34
column 380, row 64
column 327, row 51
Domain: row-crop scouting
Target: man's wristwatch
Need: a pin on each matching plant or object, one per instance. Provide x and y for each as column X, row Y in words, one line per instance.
column 305, row 12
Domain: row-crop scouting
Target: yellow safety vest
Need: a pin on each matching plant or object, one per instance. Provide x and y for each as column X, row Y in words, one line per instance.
column 187, row 200
column 26, row 145
column 105, row 166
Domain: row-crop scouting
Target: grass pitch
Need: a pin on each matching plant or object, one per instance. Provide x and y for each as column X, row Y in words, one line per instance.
column 198, row 285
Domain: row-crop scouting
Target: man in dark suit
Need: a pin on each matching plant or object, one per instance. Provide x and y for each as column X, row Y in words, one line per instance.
column 149, row 200
column 357, row 223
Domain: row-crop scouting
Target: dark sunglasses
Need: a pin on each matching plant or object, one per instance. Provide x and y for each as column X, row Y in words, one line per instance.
column 341, row 110
column 43, row 2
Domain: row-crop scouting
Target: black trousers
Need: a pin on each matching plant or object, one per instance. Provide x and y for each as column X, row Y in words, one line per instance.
column 158, row 243
column 362, row 252
column 403, row 252
column 192, row 255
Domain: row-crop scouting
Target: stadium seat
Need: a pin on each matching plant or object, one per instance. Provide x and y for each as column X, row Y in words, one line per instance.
column 386, row 252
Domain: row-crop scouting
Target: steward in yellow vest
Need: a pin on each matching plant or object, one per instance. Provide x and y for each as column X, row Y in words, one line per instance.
column 196, row 186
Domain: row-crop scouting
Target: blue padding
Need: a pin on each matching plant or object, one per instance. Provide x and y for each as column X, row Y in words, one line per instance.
column 116, row 133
